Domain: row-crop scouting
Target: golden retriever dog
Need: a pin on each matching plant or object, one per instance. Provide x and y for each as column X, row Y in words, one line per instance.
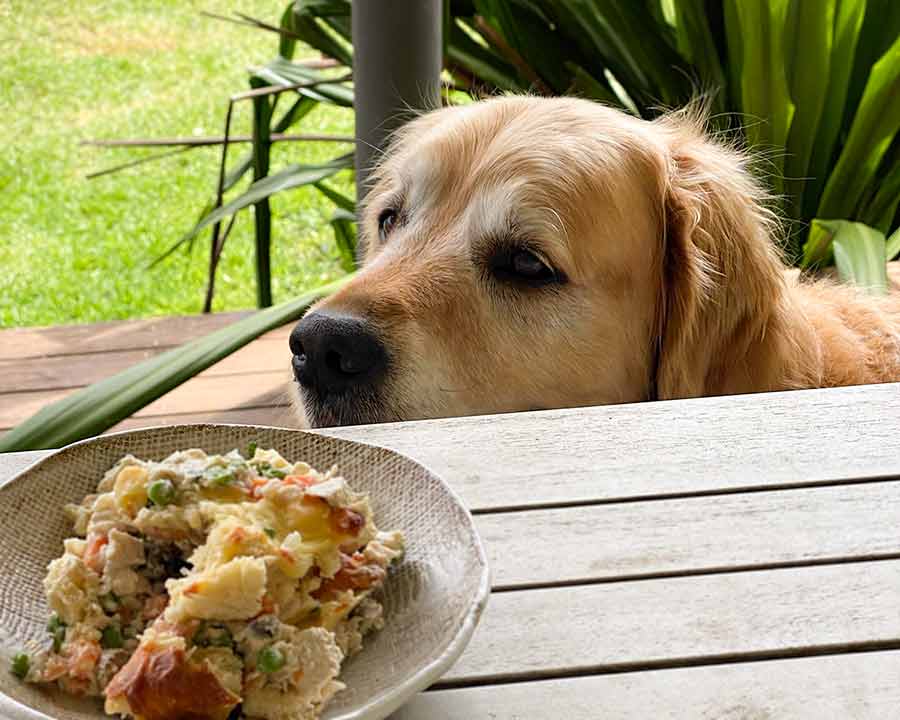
column 525, row 253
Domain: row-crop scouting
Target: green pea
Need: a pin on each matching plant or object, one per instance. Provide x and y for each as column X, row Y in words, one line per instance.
column 219, row 476
column 111, row 637
column 266, row 470
column 20, row 665
column 270, row 659
column 56, row 628
column 54, row 622
column 161, row 492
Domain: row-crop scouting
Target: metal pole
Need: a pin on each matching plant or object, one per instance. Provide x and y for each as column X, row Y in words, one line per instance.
column 396, row 67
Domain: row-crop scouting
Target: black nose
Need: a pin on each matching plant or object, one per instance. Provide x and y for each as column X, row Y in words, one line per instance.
column 334, row 354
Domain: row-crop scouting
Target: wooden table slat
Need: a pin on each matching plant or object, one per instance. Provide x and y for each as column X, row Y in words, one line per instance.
column 13, row 463
column 31, row 342
column 56, row 372
column 531, row 634
column 702, row 534
column 656, row 449
column 200, row 394
column 856, row 686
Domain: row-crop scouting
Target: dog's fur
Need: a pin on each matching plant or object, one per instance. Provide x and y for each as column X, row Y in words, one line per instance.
column 674, row 285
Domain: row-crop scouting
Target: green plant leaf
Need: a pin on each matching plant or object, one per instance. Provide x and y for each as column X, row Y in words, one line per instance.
column 287, row 44
column 534, row 6
column 344, row 223
column 233, row 177
column 524, row 27
column 848, row 18
column 339, row 199
column 586, row 85
column 881, row 204
column 284, row 72
column 892, row 248
column 880, row 28
column 876, row 122
column 859, row 251
column 341, row 25
column 301, row 107
column 764, row 98
column 808, row 41
column 817, row 249
column 304, row 21
column 734, row 46
column 695, row 42
column 292, row 176
column 100, row 406
column 860, row 256
column 715, row 18
column 462, row 8
column 462, row 50
column 623, row 36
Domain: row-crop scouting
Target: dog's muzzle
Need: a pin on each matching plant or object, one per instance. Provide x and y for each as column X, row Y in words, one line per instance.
column 339, row 362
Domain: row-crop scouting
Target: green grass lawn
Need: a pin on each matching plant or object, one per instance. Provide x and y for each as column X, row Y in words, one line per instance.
column 78, row 250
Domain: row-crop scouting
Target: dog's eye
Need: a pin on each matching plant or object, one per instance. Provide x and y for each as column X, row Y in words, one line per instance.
column 520, row 265
column 529, row 265
column 386, row 222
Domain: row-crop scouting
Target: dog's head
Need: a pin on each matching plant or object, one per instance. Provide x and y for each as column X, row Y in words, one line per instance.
column 524, row 253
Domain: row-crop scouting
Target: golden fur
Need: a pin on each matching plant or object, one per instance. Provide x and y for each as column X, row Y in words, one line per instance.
column 674, row 285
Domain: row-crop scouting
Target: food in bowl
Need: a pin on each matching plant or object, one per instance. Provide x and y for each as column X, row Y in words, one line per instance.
column 213, row 586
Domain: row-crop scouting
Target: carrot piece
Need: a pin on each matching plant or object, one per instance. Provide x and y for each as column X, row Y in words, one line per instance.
column 92, row 553
column 302, row 481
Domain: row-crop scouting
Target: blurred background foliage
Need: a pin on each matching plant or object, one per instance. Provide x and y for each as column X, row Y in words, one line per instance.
column 812, row 87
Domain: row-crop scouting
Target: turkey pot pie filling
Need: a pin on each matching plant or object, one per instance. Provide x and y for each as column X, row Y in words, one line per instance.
column 213, row 586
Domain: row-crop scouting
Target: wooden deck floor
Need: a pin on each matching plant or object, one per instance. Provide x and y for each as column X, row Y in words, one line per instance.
column 41, row 365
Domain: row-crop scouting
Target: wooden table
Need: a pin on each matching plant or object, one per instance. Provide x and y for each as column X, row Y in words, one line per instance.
column 41, row 365
column 733, row 558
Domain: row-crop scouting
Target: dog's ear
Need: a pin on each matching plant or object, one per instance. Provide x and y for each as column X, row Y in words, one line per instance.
column 722, row 278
